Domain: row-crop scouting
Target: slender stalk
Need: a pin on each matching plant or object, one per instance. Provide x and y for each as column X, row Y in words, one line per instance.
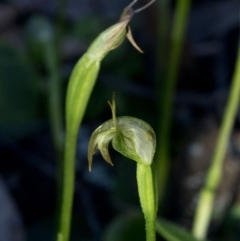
column 53, row 60
column 55, row 111
column 60, row 22
column 163, row 37
column 55, row 114
column 52, row 57
column 148, row 199
column 167, row 94
column 57, row 97
column 214, row 175
column 68, row 186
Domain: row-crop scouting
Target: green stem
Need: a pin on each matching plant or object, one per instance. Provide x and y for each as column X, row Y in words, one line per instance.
column 57, row 96
column 167, row 94
column 53, row 60
column 55, row 114
column 68, row 185
column 148, row 199
column 163, row 37
column 214, row 175
column 60, row 23
column 55, row 111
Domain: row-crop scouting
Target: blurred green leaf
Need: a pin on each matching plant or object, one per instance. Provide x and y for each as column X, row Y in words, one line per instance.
column 172, row 232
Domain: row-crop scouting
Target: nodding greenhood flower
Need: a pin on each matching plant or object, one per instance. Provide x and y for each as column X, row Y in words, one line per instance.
column 130, row 136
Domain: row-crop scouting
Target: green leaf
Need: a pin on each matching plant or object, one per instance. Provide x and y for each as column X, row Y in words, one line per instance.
column 172, row 232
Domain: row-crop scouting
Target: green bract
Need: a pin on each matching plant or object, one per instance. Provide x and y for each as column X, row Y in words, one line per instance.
column 130, row 136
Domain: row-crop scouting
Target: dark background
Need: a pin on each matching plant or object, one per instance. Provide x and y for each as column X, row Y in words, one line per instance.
column 27, row 154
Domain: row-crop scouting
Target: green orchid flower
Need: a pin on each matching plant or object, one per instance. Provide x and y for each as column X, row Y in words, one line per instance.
column 135, row 139
column 132, row 137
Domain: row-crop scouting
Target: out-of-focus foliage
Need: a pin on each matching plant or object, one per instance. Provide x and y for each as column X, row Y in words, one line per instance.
column 18, row 92
column 172, row 232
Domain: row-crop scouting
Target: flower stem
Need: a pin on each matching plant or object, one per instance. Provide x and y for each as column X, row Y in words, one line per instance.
column 167, row 93
column 148, row 199
column 214, row 175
